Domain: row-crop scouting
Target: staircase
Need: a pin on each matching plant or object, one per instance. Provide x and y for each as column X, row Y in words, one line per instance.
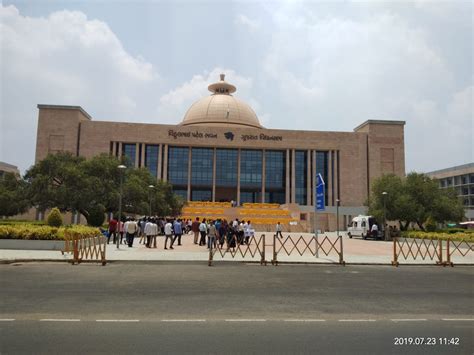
column 263, row 216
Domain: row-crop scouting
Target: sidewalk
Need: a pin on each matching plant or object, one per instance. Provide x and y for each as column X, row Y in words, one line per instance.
column 356, row 251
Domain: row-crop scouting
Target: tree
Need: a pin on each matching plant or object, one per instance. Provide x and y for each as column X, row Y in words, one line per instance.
column 414, row 199
column 13, row 196
column 87, row 186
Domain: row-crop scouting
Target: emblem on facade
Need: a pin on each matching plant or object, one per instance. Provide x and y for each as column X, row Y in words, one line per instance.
column 229, row 136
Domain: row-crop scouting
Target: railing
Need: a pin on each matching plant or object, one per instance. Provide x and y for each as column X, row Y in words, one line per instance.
column 85, row 247
column 313, row 245
column 236, row 246
column 424, row 249
column 453, row 247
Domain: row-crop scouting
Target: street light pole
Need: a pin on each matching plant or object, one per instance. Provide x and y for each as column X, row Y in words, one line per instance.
column 150, row 187
column 337, row 216
column 384, row 194
column 121, row 168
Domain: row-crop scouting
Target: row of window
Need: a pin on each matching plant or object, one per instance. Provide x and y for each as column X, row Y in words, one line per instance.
column 251, row 171
column 457, row 180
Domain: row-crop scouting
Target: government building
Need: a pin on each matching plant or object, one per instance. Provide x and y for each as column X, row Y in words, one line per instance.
column 221, row 152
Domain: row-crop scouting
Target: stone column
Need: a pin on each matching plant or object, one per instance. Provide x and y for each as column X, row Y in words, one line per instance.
column 160, row 162
column 263, row 175
column 137, row 154
column 329, row 182
column 313, row 191
column 120, row 151
column 287, row 166
column 293, row 180
column 238, row 177
column 336, row 173
column 190, row 163
column 114, row 145
column 308, row 177
column 214, row 176
column 165, row 163
column 143, row 155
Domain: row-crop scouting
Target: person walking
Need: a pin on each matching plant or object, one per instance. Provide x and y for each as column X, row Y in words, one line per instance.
column 250, row 232
column 195, row 229
column 203, row 232
column 168, row 234
column 178, row 231
column 141, row 224
column 246, row 233
column 212, row 234
column 278, row 229
column 131, row 230
column 112, row 230
column 149, row 230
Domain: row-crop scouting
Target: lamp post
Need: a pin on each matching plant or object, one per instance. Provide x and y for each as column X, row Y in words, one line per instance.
column 150, row 189
column 337, row 216
column 384, row 196
column 121, row 169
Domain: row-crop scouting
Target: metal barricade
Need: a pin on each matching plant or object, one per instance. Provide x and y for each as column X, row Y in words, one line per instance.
column 85, row 248
column 424, row 249
column 236, row 246
column 460, row 247
column 311, row 245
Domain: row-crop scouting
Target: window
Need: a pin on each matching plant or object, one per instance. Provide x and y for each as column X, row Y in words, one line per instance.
column 226, row 167
column 202, row 166
column 129, row 152
column 151, row 158
column 251, row 168
column 275, row 176
column 301, row 168
column 201, row 195
column 178, row 159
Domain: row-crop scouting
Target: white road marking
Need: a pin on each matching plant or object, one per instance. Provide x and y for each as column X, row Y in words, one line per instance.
column 6, row 319
column 304, row 320
column 59, row 320
column 356, row 320
column 245, row 320
column 183, row 320
column 354, row 272
column 458, row 319
column 118, row 320
column 409, row 320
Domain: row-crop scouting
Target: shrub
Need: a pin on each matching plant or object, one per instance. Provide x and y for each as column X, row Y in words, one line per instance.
column 54, row 218
column 468, row 237
column 96, row 216
column 35, row 232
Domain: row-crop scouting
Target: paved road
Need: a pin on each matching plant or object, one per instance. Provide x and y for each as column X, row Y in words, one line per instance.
column 234, row 308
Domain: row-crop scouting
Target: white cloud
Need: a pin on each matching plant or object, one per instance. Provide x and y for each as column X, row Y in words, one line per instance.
column 176, row 102
column 243, row 20
column 343, row 70
column 64, row 59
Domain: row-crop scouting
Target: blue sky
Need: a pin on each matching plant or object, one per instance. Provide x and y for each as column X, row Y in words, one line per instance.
column 300, row 65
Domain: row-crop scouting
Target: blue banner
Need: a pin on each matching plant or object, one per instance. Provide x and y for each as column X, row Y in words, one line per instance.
column 320, row 204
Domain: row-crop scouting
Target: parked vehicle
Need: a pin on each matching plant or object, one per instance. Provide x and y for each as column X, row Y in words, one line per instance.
column 361, row 226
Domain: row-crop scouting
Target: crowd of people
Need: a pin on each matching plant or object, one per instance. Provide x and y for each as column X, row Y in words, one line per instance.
column 206, row 232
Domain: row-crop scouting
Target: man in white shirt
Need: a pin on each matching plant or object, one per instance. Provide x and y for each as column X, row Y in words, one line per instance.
column 203, row 232
column 374, row 231
column 278, row 230
column 131, row 229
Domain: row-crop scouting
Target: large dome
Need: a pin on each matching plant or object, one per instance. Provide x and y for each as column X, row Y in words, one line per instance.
column 221, row 109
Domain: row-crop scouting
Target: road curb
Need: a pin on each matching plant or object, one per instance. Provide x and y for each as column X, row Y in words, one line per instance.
column 13, row 261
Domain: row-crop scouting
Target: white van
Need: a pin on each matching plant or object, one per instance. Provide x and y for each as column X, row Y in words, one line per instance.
column 361, row 226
